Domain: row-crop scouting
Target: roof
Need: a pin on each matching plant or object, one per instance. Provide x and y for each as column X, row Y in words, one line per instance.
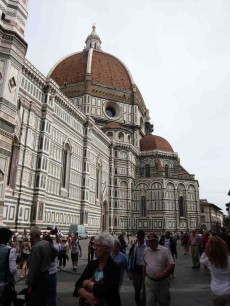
column 154, row 142
column 105, row 69
column 112, row 125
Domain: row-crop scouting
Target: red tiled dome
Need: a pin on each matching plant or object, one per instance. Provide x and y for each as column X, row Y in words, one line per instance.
column 99, row 74
column 153, row 142
column 71, row 70
column 105, row 70
column 96, row 73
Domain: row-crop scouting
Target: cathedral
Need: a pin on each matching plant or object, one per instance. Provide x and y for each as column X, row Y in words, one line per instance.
column 77, row 145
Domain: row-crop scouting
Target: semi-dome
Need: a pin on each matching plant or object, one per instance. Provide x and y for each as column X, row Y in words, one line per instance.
column 113, row 126
column 98, row 73
column 154, row 142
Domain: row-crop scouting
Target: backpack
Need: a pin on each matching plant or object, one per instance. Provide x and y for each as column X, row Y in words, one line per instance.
column 75, row 245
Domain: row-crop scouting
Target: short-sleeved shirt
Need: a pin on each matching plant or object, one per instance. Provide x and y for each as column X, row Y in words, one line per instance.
column 122, row 262
column 156, row 261
column 220, row 283
column 75, row 246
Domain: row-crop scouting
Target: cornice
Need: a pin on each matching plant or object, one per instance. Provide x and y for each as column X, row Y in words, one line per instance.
column 32, row 73
column 14, row 34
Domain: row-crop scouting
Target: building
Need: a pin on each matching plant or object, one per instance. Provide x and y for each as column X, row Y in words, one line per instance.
column 211, row 216
column 78, row 146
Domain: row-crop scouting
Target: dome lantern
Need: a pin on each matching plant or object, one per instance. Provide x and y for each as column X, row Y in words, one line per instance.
column 93, row 40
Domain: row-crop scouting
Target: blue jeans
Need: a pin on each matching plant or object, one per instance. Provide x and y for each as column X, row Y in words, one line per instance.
column 52, row 294
column 139, row 286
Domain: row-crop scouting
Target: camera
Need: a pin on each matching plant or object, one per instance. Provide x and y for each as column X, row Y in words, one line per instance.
column 53, row 229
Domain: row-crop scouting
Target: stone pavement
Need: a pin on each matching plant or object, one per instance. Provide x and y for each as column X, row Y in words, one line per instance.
column 190, row 287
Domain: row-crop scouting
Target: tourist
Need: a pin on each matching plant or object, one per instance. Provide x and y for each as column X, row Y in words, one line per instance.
column 63, row 253
column 38, row 276
column 75, row 251
column 101, row 277
column 91, row 249
column 8, row 266
column 158, row 264
column 135, row 267
column 120, row 259
column 52, row 292
column 223, row 235
column 217, row 259
column 185, row 240
column 168, row 242
column 25, row 249
column 194, row 241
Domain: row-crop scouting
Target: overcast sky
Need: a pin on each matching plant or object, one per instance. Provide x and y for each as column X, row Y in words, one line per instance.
column 178, row 52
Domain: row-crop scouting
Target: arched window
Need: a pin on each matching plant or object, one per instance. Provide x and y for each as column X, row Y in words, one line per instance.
column 65, row 166
column 98, row 180
column 110, row 134
column 13, row 166
column 121, row 136
column 181, row 206
column 143, row 207
column 202, row 219
column 166, row 171
column 141, row 121
column 147, row 170
column 41, row 143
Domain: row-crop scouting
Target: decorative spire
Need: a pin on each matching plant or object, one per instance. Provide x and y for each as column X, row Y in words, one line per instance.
column 93, row 40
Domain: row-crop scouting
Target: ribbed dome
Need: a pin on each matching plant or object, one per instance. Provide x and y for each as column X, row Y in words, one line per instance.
column 105, row 70
column 97, row 73
column 153, row 142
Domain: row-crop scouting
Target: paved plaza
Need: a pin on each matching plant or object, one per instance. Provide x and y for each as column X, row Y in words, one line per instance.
column 190, row 287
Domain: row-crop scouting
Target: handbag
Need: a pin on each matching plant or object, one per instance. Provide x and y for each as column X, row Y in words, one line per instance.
column 84, row 302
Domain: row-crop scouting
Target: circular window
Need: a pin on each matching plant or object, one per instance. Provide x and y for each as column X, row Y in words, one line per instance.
column 110, row 111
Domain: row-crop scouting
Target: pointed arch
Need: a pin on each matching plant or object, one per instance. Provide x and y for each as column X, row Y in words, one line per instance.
column 143, row 207
column 121, row 137
column 166, row 170
column 98, row 179
column 104, row 216
column 147, row 170
column 13, row 165
column 66, row 156
column 181, row 206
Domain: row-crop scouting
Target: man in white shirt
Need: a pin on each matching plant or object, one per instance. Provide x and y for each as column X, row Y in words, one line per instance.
column 157, row 266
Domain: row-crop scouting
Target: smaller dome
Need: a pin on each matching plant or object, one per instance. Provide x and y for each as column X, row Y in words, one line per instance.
column 153, row 142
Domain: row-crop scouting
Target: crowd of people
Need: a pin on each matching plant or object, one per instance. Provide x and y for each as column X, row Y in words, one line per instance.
column 148, row 261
